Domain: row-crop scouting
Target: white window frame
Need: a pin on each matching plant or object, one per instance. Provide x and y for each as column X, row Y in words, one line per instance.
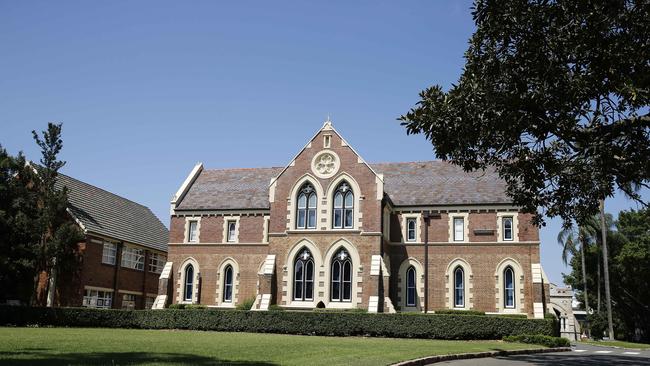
column 409, row 221
column 109, row 253
column 133, row 258
column 97, row 298
column 500, row 226
column 192, row 231
column 504, row 220
column 452, row 227
column 406, row 217
column 226, row 237
column 157, row 262
column 231, row 230
column 128, row 301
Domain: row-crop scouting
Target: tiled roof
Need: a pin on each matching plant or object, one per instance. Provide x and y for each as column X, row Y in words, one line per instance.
column 440, row 183
column 407, row 184
column 104, row 213
column 229, row 189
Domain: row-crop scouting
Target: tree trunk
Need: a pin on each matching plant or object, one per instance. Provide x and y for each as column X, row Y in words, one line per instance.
column 51, row 288
column 584, row 272
column 599, row 285
column 608, row 298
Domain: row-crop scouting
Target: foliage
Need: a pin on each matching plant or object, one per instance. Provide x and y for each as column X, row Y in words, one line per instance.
column 551, row 97
column 459, row 312
column 629, row 266
column 78, row 346
column 187, row 306
column 58, row 234
column 18, row 210
column 543, row 340
column 286, row 322
column 246, row 304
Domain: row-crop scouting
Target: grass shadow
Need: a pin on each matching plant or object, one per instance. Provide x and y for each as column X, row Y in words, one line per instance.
column 117, row 358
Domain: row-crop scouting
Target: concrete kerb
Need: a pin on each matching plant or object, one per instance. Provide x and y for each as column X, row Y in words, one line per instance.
column 464, row 356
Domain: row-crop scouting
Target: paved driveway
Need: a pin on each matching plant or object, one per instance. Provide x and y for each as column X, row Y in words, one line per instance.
column 582, row 355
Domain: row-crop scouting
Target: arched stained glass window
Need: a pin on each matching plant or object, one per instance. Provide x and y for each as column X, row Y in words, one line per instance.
column 410, row 286
column 227, row 284
column 343, row 210
column 306, row 212
column 303, row 276
column 189, row 283
column 341, row 283
column 459, row 287
column 509, row 287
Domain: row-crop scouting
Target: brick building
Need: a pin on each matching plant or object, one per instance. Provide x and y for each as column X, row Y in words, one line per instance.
column 331, row 230
column 124, row 251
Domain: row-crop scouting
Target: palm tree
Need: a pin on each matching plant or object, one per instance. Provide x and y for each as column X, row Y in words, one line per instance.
column 574, row 239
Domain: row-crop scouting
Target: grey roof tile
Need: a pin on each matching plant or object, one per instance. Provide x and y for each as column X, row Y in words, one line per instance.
column 407, row 184
column 440, row 183
column 104, row 213
column 229, row 189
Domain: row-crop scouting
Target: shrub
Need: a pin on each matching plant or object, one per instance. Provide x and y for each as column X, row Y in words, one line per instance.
column 177, row 306
column 459, row 312
column 543, row 340
column 187, row 306
column 275, row 307
column 446, row 326
column 246, row 304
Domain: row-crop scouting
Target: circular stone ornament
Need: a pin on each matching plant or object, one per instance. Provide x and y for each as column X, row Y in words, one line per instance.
column 325, row 164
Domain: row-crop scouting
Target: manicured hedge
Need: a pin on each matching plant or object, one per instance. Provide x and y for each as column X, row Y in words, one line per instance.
column 543, row 340
column 286, row 322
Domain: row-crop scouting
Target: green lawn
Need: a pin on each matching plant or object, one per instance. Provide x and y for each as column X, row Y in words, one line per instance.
column 80, row 346
column 621, row 344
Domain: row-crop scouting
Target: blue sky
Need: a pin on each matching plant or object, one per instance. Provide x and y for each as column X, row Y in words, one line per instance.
column 146, row 89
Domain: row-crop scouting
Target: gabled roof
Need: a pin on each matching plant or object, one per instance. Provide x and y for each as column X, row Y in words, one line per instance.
column 107, row 214
column 229, row 189
column 428, row 183
column 440, row 183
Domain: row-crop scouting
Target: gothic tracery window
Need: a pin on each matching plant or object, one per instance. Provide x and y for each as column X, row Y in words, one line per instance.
column 459, row 287
column 306, row 212
column 303, row 276
column 341, row 282
column 343, row 210
column 509, row 287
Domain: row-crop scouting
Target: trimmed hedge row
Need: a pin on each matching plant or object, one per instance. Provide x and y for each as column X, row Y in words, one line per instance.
column 543, row 340
column 285, row 322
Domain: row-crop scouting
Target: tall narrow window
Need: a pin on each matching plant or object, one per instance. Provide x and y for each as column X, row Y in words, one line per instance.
column 109, row 253
column 341, row 286
column 227, row 284
column 509, row 287
column 410, row 286
column 189, row 283
column 343, row 207
column 232, row 227
column 459, row 229
column 507, row 228
column 411, row 229
column 306, row 212
column 191, row 233
column 459, row 287
column 303, row 276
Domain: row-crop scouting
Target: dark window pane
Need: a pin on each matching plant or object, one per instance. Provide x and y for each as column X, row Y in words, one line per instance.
column 348, row 218
column 347, row 271
column 347, row 291
column 309, row 290
column 336, row 290
column 311, row 223
column 337, row 218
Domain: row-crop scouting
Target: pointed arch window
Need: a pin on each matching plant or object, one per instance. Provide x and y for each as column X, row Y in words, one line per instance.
column 341, row 284
column 509, row 287
column 410, row 286
column 306, row 212
column 303, row 276
column 189, row 283
column 343, row 207
column 227, row 283
column 459, row 287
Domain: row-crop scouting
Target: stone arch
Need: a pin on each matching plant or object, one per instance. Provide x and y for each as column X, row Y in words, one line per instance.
column 196, row 281
column 519, row 286
column 220, row 282
column 468, row 283
column 356, row 265
column 287, row 277
column 329, row 199
column 293, row 196
column 419, row 284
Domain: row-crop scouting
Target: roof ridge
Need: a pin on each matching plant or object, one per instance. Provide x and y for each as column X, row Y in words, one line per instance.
column 231, row 169
column 411, row 162
column 107, row 191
